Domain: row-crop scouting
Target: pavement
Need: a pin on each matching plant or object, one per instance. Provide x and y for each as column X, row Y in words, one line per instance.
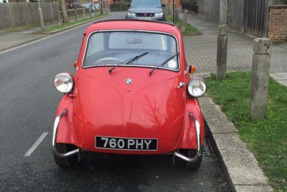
column 240, row 165
column 201, row 51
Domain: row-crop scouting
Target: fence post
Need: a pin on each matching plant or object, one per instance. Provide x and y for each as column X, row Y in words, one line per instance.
column 84, row 14
column 221, row 52
column 223, row 11
column 51, row 9
column 76, row 14
column 260, row 78
column 185, row 12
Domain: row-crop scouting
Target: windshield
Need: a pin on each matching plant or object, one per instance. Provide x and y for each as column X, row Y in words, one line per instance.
column 117, row 48
column 145, row 3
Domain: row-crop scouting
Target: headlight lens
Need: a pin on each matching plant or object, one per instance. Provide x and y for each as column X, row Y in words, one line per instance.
column 158, row 14
column 196, row 87
column 64, row 82
column 131, row 14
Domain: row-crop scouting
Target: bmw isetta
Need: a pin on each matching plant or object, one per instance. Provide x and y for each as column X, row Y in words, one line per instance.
column 132, row 94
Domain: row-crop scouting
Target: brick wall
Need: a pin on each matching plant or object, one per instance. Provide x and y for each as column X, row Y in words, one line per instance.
column 277, row 31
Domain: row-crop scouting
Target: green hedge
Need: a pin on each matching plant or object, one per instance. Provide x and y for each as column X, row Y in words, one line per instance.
column 118, row 7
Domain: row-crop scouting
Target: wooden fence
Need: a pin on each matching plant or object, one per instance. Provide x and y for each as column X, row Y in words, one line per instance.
column 13, row 15
column 254, row 16
column 245, row 15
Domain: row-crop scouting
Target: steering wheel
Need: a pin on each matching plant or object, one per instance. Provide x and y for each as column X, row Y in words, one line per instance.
column 114, row 59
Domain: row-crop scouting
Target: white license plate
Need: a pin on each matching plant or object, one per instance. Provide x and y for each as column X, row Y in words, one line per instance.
column 145, row 18
column 133, row 144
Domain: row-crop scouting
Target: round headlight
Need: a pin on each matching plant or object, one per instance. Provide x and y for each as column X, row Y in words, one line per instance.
column 64, row 82
column 196, row 87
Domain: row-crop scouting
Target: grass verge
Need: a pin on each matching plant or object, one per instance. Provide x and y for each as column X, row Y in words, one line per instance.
column 71, row 23
column 189, row 29
column 267, row 139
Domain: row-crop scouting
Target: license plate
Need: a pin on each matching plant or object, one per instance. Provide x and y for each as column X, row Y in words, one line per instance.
column 132, row 144
column 145, row 18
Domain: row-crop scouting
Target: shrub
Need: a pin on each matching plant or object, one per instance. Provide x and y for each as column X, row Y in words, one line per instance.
column 118, row 7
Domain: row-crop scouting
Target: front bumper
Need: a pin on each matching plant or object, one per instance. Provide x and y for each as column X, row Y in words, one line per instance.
column 146, row 18
column 175, row 153
column 54, row 138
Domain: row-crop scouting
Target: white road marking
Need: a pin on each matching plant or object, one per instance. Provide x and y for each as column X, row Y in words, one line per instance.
column 36, row 144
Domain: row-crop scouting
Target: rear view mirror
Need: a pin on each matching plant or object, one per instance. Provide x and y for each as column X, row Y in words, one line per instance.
column 163, row 5
column 128, row 5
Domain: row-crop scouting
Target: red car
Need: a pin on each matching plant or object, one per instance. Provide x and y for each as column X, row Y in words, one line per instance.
column 132, row 94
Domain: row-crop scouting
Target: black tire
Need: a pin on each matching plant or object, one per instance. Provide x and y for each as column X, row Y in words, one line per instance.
column 194, row 165
column 65, row 162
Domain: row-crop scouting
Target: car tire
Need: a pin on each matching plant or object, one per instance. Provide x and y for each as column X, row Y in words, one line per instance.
column 64, row 162
column 193, row 165
column 191, row 153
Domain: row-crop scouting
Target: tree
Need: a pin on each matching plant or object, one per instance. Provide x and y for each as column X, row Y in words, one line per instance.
column 62, row 5
column 101, row 7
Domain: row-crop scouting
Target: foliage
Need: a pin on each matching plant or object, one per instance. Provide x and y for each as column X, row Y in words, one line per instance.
column 118, row 7
column 266, row 138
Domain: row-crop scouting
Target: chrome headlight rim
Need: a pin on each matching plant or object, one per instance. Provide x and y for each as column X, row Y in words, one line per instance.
column 192, row 83
column 64, row 82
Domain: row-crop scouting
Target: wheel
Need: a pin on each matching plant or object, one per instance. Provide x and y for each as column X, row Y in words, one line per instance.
column 65, row 162
column 192, row 165
column 113, row 60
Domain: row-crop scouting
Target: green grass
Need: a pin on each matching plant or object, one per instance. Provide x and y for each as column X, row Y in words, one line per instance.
column 73, row 23
column 189, row 29
column 267, row 139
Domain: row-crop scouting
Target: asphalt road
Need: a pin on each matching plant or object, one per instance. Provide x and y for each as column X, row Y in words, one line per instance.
column 28, row 102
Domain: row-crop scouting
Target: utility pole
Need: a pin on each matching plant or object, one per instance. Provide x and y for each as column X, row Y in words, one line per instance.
column 41, row 16
column 101, row 7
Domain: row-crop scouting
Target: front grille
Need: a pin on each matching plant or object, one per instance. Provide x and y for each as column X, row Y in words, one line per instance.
column 145, row 14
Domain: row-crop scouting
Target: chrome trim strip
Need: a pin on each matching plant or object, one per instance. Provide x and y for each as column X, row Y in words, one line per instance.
column 198, row 136
column 55, row 131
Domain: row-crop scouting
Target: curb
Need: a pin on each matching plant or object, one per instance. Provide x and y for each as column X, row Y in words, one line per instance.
column 239, row 164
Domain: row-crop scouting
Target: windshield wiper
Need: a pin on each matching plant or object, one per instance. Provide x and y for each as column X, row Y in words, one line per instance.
column 130, row 60
column 162, row 64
